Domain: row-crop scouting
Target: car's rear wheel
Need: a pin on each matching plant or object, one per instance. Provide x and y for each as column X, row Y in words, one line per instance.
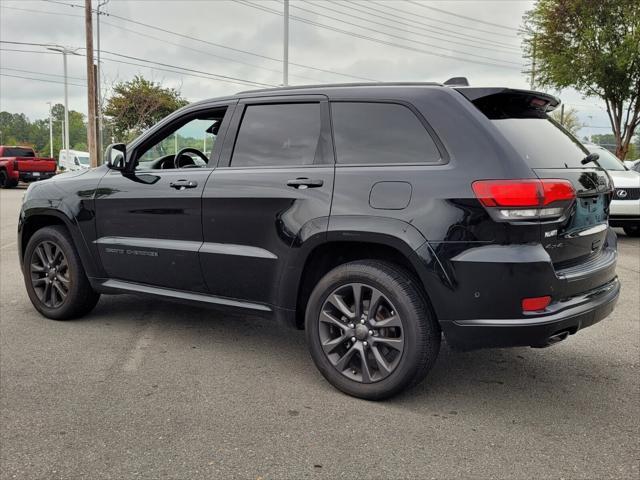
column 55, row 279
column 370, row 330
column 632, row 230
column 5, row 181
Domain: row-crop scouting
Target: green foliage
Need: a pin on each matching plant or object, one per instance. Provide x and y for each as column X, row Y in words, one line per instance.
column 592, row 46
column 17, row 129
column 568, row 120
column 137, row 105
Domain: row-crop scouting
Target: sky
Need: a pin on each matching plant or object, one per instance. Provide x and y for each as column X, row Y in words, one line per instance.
column 211, row 48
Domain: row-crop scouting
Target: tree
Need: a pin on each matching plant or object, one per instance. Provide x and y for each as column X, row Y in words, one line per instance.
column 568, row 119
column 137, row 105
column 591, row 46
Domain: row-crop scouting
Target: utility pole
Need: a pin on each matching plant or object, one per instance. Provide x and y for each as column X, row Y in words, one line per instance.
column 91, row 86
column 50, row 132
column 98, row 83
column 285, row 56
column 562, row 114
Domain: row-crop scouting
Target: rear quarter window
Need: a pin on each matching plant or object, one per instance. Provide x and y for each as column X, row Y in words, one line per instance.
column 542, row 143
column 380, row 133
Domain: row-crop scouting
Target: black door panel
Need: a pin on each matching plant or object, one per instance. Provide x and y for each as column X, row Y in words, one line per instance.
column 151, row 232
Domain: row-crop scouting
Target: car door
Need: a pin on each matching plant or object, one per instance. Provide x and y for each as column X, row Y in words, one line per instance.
column 271, row 193
column 149, row 221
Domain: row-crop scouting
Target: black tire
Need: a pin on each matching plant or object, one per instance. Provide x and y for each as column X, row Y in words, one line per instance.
column 5, row 182
column 420, row 330
column 80, row 297
column 632, row 230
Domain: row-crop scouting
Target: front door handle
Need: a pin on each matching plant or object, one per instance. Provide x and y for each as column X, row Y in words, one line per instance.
column 182, row 184
column 302, row 183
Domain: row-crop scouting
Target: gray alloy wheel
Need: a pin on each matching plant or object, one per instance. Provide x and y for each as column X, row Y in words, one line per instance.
column 49, row 271
column 361, row 333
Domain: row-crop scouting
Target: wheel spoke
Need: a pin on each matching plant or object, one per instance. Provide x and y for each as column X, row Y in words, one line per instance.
column 392, row 321
column 330, row 319
column 342, row 363
column 60, row 290
column 395, row 343
column 374, row 304
column 37, row 268
column 64, row 280
column 357, row 300
column 39, row 282
column 48, row 250
column 338, row 302
column 383, row 367
column 41, row 255
column 330, row 345
column 47, row 294
column 367, row 376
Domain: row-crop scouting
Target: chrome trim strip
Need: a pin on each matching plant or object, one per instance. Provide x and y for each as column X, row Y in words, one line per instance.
column 196, row 297
column 233, row 249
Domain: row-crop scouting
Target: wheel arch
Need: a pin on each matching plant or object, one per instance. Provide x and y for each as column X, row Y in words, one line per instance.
column 37, row 218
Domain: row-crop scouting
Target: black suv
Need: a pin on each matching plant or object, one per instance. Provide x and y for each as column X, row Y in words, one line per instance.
column 377, row 217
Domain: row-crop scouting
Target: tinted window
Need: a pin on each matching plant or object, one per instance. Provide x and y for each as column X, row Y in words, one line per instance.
column 18, row 152
column 541, row 143
column 380, row 133
column 271, row 135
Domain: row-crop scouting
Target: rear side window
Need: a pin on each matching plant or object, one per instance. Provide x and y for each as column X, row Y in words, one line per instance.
column 278, row 135
column 18, row 152
column 380, row 133
column 542, row 143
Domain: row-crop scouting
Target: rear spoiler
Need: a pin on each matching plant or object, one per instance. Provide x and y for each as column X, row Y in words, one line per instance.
column 510, row 98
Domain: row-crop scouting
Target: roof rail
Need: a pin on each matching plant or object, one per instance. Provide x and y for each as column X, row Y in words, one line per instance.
column 338, row 85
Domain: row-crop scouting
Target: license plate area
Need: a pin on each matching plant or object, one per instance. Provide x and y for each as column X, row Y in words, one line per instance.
column 589, row 211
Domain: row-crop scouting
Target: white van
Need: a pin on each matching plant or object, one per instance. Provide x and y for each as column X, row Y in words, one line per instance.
column 77, row 160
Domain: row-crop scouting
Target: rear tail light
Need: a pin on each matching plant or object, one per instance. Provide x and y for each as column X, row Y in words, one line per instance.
column 525, row 199
column 535, row 304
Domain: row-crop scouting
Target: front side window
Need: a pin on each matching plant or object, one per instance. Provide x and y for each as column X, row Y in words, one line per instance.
column 380, row 133
column 198, row 135
column 278, row 135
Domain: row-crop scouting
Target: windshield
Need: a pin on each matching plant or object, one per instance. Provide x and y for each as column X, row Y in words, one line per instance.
column 84, row 160
column 607, row 160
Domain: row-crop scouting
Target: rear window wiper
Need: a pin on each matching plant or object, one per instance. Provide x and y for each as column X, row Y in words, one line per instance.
column 592, row 157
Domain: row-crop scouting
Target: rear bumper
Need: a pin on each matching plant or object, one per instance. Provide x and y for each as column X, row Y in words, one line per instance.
column 567, row 317
column 34, row 176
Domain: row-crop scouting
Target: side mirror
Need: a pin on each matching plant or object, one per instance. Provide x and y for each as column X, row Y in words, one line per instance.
column 115, row 156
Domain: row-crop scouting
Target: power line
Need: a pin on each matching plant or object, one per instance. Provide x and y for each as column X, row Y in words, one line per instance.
column 266, row 57
column 41, row 73
column 40, row 80
column 431, row 45
column 421, row 25
column 466, row 27
column 462, row 16
column 375, row 40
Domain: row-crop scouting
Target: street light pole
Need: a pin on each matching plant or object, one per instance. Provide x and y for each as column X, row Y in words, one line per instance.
column 98, row 84
column 50, row 132
column 285, row 56
column 65, row 51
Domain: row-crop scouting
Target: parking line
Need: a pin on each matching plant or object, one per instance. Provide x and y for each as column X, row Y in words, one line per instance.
column 8, row 245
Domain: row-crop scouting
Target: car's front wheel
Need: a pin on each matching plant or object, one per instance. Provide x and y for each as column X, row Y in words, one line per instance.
column 369, row 329
column 632, row 230
column 5, row 181
column 55, row 279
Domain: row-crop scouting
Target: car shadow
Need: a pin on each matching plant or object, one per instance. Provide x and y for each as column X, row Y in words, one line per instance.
column 559, row 377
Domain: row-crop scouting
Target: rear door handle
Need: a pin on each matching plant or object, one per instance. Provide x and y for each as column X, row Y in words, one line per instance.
column 302, row 183
column 182, row 184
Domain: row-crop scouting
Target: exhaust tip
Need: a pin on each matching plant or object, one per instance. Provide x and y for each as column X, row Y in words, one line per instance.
column 553, row 339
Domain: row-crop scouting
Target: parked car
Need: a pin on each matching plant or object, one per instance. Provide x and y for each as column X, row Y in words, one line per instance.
column 377, row 217
column 77, row 160
column 625, row 206
column 20, row 164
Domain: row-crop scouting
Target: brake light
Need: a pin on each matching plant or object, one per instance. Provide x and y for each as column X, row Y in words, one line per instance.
column 535, row 304
column 525, row 199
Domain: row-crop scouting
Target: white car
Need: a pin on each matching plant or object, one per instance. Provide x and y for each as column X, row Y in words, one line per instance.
column 77, row 160
column 624, row 210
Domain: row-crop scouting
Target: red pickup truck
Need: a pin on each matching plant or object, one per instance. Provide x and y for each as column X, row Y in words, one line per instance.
column 20, row 164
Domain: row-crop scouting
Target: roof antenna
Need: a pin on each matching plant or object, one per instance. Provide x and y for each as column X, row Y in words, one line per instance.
column 457, row 82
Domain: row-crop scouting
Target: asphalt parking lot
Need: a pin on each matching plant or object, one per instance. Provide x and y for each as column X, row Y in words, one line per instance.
column 148, row 389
